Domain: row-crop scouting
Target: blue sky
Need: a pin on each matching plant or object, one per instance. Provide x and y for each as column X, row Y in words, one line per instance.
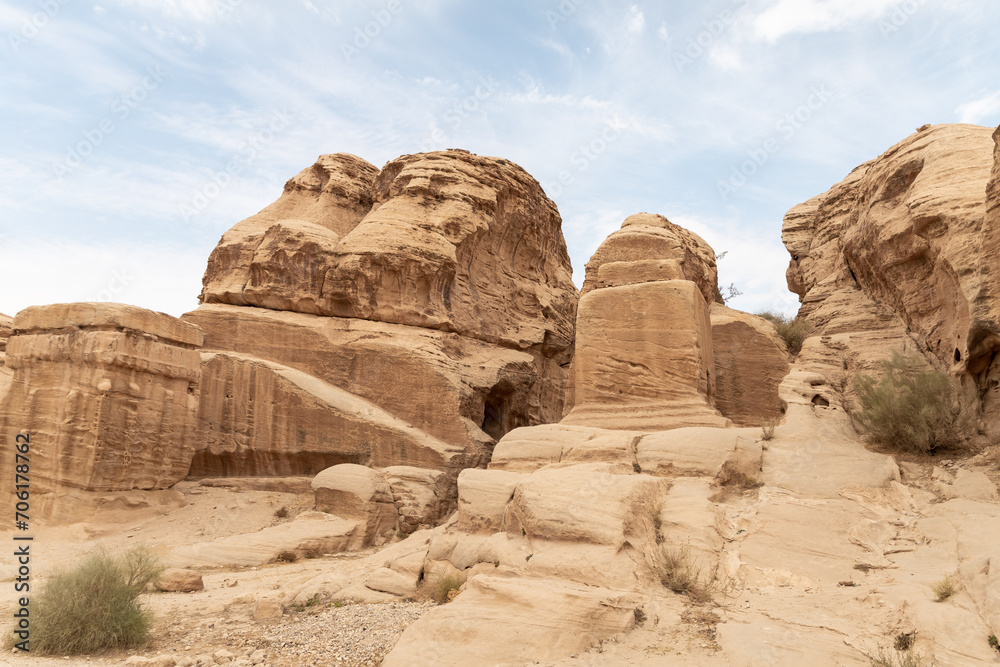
column 135, row 132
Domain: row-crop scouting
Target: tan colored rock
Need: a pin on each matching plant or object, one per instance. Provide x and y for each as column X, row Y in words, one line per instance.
column 549, row 619
column 391, row 581
column 451, row 241
column 266, row 610
column 6, row 329
column 483, row 496
column 356, row 492
column 750, row 362
column 594, row 504
column 318, row 206
column 459, row 390
column 975, row 485
column 913, row 232
column 687, row 451
column 648, row 236
column 420, row 495
column 263, row 418
column 310, row 534
column 123, row 384
column 644, row 359
column 176, row 580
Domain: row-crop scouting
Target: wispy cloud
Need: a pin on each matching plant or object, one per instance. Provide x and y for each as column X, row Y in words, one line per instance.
column 806, row 16
column 985, row 109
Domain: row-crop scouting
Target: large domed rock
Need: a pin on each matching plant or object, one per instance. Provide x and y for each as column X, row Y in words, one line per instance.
column 437, row 291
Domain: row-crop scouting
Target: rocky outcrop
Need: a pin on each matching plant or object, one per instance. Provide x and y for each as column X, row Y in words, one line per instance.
column 750, row 363
column 449, row 241
column 261, row 418
column 108, row 394
column 6, row 328
column 276, row 257
column 905, row 244
column 436, row 291
column 644, row 358
column 649, row 237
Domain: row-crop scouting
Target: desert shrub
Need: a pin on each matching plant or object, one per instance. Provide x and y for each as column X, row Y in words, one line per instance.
column 95, row 605
column 994, row 642
column 287, row 557
column 767, row 427
column 896, row 658
column 443, row 591
column 944, row 589
column 910, row 409
column 281, row 512
column 679, row 573
column 792, row 330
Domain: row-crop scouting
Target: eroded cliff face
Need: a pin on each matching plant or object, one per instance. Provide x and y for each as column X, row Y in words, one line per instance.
column 108, row 394
column 437, row 289
column 905, row 246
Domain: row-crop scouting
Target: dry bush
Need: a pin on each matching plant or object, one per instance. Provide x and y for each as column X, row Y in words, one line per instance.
column 792, row 330
column 95, row 605
column 679, row 573
column 767, row 427
column 443, row 590
column 910, row 409
column 944, row 589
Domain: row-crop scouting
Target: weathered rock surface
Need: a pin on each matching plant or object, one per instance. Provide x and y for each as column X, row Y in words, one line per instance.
column 648, row 237
column 356, row 492
column 449, row 241
column 262, row 418
column 911, row 235
column 644, row 358
column 108, row 394
column 276, row 257
column 177, row 580
column 750, row 362
column 437, row 291
column 6, row 329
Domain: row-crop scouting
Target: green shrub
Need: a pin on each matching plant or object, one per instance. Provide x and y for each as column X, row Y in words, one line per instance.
column 793, row 331
column 910, row 409
column 94, row 606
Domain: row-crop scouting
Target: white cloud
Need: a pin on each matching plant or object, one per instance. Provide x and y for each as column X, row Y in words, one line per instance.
column 635, row 20
column 155, row 277
column 663, row 32
column 977, row 111
column 791, row 16
column 726, row 57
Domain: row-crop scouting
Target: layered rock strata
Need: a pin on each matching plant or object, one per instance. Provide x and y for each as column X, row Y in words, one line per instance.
column 107, row 393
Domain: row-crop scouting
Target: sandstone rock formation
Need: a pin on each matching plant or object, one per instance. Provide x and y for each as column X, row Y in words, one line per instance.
column 903, row 248
column 108, row 394
column 750, row 363
column 648, row 237
column 420, row 312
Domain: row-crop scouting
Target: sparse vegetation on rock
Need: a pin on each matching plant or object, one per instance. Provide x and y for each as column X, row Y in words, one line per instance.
column 95, row 605
column 909, row 409
column 679, row 573
column 792, row 330
column 944, row 589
